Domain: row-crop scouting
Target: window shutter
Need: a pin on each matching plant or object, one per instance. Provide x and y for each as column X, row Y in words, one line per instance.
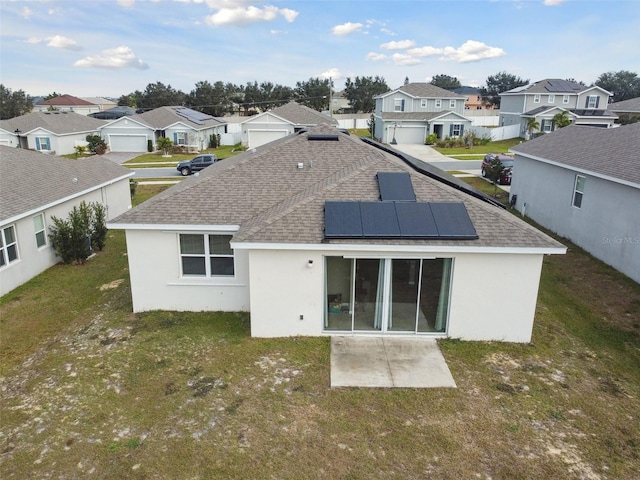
column 461, row 129
column 597, row 101
column 586, row 103
column 175, row 138
column 451, row 130
column 37, row 144
column 402, row 107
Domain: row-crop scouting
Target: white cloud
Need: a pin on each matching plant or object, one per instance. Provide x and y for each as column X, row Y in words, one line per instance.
column 64, row 43
column 331, row 73
column 376, row 57
column 388, row 32
column 26, row 13
column 127, row 3
column 401, row 45
column 404, row 59
column 250, row 14
column 425, row 51
column 472, row 51
column 346, row 29
column 114, row 59
column 553, row 3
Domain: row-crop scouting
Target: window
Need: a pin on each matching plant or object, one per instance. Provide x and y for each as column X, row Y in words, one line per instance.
column 578, row 191
column 387, row 294
column 398, row 105
column 423, row 103
column 8, row 246
column 565, row 99
column 206, row 255
column 452, row 104
column 536, row 98
column 546, row 126
column 438, row 103
column 455, row 130
column 592, row 101
column 552, row 99
column 180, row 138
column 42, row 143
column 38, row 226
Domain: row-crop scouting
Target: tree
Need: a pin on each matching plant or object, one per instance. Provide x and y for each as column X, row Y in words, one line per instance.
column 85, row 228
column 532, row 125
column 52, row 95
column 314, row 93
column 211, row 99
column 96, row 144
column 360, row 92
column 406, row 80
column 561, row 120
column 165, row 144
column 498, row 83
column 14, row 104
column 445, row 81
column 131, row 100
column 494, row 171
column 160, row 95
column 623, row 84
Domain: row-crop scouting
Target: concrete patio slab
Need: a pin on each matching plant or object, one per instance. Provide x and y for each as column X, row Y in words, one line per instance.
column 388, row 362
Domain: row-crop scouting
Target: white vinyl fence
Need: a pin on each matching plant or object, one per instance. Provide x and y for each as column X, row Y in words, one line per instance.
column 499, row 133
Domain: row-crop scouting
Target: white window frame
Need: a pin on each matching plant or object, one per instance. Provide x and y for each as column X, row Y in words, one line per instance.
column 536, row 98
column 457, row 127
column 398, row 104
column 452, row 104
column 552, row 99
column 6, row 246
column 40, row 140
column 40, row 231
column 423, row 103
column 438, row 103
column 546, row 125
column 578, row 191
column 565, row 99
column 181, row 138
column 207, row 255
column 592, row 101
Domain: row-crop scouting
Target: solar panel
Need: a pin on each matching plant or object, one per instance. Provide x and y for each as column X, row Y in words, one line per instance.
column 452, row 221
column 194, row 116
column 395, row 186
column 342, row 219
column 561, row 86
column 379, row 220
column 416, row 220
column 398, row 220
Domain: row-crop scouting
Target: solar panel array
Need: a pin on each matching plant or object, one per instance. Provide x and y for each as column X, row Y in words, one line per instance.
column 397, row 219
column 395, row 186
column 193, row 116
column 561, row 86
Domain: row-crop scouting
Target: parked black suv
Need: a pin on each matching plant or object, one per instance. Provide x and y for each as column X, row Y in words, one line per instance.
column 196, row 164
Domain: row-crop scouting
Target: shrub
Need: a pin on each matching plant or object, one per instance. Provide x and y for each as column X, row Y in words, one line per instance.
column 96, row 144
column 431, row 139
column 468, row 138
column 150, row 146
column 80, row 150
column 84, row 228
column 213, row 141
column 133, row 185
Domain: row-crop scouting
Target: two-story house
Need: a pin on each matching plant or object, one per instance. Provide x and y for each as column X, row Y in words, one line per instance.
column 544, row 99
column 409, row 113
column 473, row 98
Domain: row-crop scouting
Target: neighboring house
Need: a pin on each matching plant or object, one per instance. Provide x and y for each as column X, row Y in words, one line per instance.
column 340, row 103
column 584, row 184
column 102, row 103
column 33, row 188
column 325, row 233
column 280, row 122
column 182, row 125
column 409, row 113
column 114, row 113
column 473, row 100
column 66, row 103
column 544, row 99
column 49, row 132
column 627, row 109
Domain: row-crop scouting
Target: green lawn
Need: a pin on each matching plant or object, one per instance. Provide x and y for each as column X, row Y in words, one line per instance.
column 91, row 390
column 501, row 146
column 155, row 159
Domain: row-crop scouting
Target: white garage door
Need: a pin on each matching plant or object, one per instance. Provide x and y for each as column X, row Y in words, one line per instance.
column 128, row 143
column 409, row 134
column 260, row 137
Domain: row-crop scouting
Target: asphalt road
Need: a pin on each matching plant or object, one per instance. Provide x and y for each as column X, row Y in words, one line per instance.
column 156, row 172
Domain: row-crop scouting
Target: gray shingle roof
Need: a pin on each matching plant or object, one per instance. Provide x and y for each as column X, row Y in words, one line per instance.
column 60, row 123
column 612, row 152
column 162, row 117
column 274, row 201
column 631, row 105
column 550, row 85
column 48, row 179
column 426, row 90
column 303, row 116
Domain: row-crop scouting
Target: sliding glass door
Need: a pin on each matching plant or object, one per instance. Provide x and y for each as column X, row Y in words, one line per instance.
column 387, row 295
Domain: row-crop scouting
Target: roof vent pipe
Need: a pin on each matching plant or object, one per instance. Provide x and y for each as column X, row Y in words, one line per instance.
column 300, row 165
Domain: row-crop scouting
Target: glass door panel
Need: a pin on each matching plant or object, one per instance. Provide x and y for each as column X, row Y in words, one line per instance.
column 339, row 306
column 434, row 295
column 368, row 292
column 405, row 279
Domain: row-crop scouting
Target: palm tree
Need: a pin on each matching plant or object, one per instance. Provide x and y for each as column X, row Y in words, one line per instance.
column 532, row 124
column 561, row 119
column 164, row 144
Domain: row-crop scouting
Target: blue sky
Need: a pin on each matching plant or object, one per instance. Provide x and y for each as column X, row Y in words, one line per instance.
column 113, row 47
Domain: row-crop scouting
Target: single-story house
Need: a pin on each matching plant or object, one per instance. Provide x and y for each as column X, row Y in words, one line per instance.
column 67, row 103
column 280, row 122
column 626, row 109
column 49, row 186
column 182, row 125
column 412, row 112
column 324, row 233
column 584, row 184
column 50, row 132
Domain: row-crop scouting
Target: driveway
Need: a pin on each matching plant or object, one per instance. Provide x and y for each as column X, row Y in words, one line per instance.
column 121, row 157
column 388, row 362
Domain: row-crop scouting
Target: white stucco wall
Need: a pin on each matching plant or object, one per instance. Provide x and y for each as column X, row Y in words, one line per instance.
column 156, row 283
column 33, row 260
